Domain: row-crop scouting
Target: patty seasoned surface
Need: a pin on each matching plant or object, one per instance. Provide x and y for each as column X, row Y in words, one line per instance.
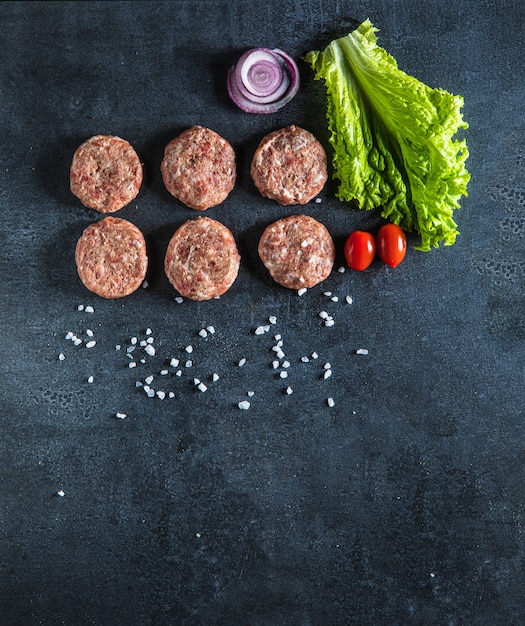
column 289, row 166
column 298, row 251
column 111, row 257
column 199, row 168
column 202, row 260
column 106, row 173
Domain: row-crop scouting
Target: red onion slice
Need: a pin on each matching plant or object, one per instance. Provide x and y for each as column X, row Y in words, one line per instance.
column 263, row 80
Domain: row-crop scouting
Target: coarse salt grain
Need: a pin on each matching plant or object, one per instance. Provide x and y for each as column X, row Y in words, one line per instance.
column 145, row 284
column 327, row 366
column 69, row 335
column 302, row 291
column 89, row 309
column 121, row 416
column 80, row 307
column 150, row 340
column 283, row 374
column 196, row 381
column 171, row 394
column 161, row 394
column 361, row 351
column 250, row 394
column 272, row 319
column 278, row 337
column 90, row 379
column 148, row 380
column 133, row 341
column 318, row 200
column 148, row 331
column 77, row 341
column 203, row 333
column 61, row 493
column 210, row 329
column 91, row 344
column 286, row 363
column 327, row 374
column 202, row 387
column 174, row 362
column 305, row 359
column 163, row 372
column 61, row 356
column 275, row 364
column 323, row 315
column 349, row 299
column 188, row 363
column 132, row 364
column 289, row 390
column 178, row 373
column 260, row 330
column 244, row 405
column 341, row 269
column 242, row 362
column 150, row 350
column 89, row 332
column 189, row 349
column 329, row 322
column 215, row 377
column 334, row 299
column 327, row 293
column 330, row 402
column 179, row 300
column 315, row 355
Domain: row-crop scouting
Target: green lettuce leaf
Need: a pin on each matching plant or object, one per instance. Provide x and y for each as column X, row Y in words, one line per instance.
column 392, row 137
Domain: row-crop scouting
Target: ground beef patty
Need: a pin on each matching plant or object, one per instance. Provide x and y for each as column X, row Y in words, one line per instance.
column 289, row 166
column 106, row 173
column 199, row 168
column 298, row 251
column 111, row 257
column 202, row 260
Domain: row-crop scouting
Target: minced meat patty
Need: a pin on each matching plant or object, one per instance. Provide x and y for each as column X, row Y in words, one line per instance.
column 106, row 173
column 111, row 257
column 289, row 166
column 202, row 260
column 199, row 168
column 298, row 251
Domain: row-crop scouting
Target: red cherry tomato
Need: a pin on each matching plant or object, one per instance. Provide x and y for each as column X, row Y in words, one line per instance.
column 360, row 250
column 391, row 244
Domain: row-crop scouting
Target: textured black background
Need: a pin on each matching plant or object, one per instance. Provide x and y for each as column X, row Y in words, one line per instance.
column 402, row 504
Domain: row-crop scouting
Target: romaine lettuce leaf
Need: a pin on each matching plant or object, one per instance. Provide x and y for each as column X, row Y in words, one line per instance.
column 392, row 137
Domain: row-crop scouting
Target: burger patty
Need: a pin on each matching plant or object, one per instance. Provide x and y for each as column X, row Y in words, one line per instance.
column 202, row 260
column 199, row 168
column 289, row 166
column 298, row 251
column 111, row 257
column 106, row 173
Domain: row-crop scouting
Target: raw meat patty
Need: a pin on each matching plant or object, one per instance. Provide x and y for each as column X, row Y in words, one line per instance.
column 298, row 251
column 289, row 166
column 106, row 173
column 199, row 168
column 202, row 260
column 111, row 257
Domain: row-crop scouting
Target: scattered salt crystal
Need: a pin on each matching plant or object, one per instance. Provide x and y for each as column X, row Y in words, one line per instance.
column 138, row 383
column 150, row 350
column 80, row 307
column 145, row 284
column 61, row 493
column 334, row 299
column 163, row 372
column 278, row 337
column 242, row 362
column 349, row 299
column 89, row 332
column 250, row 394
column 260, row 330
column 132, row 364
column 77, row 341
column 161, row 394
column 188, row 363
column 305, row 359
column 244, row 405
column 330, row 402
column 327, row 293
column 90, row 379
column 178, row 373
column 179, row 300
column 361, row 351
column 272, row 319
column 202, row 387
column 133, row 341
column 130, row 349
column 150, row 340
column 148, row 380
column 327, row 366
column 341, row 269
column 286, row 363
column 302, row 291
column 189, row 349
column 315, row 355
column 203, row 333
column 215, row 377
column 318, row 200
column 275, row 364
column 61, row 356
column 69, row 335
column 196, row 381
column 118, row 346
column 289, row 390
column 174, row 362
column 148, row 331
column 171, row 394
column 329, row 322
column 283, row 374
column 121, row 416
column 89, row 309
column 91, row 344
column 327, row 374
column 323, row 315
column 143, row 343
column 280, row 354
column 210, row 329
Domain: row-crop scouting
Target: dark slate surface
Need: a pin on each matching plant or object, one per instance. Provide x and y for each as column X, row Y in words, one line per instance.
column 403, row 504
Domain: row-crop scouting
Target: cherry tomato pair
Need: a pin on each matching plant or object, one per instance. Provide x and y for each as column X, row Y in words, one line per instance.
column 361, row 246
